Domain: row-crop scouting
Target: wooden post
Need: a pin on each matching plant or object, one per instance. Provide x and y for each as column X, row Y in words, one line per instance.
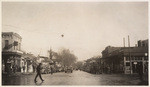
column 124, row 42
column 124, row 64
column 130, row 55
column 143, row 63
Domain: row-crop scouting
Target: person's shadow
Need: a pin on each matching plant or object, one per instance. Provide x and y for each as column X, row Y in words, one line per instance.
column 38, row 83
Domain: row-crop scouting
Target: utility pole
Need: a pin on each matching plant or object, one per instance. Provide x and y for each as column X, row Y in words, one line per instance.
column 124, row 59
column 50, row 53
column 130, row 55
column 124, row 42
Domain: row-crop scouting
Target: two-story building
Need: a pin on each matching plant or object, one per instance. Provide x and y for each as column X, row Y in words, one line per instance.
column 125, row 59
column 11, row 51
column 30, row 62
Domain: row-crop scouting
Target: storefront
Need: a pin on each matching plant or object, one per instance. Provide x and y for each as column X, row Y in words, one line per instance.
column 11, row 61
column 135, row 63
column 125, row 60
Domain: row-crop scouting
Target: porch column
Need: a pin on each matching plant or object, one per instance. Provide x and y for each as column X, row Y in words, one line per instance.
column 124, row 59
column 143, row 63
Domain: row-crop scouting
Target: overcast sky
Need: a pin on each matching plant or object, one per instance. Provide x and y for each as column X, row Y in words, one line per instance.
column 88, row 27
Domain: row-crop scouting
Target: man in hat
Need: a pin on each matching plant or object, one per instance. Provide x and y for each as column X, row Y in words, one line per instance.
column 38, row 69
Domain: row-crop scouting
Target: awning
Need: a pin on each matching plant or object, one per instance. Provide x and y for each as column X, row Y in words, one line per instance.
column 11, row 53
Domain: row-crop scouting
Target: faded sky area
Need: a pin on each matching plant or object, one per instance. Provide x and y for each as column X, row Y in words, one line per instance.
column 88, row 27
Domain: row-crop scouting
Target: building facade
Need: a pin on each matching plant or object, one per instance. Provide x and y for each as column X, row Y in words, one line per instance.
column 126, row 60
column 11, row 51
column 30, row 62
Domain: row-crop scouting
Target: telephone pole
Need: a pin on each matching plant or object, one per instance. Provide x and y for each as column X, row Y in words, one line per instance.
column 124, row 42
column 130, row 54
column 50, row 53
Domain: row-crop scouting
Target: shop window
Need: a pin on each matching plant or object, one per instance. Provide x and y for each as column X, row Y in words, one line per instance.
column 132, row 58
column 139, row 58
column 143, row 45
column 145, row 58
column 127, row 64
column 127, row 59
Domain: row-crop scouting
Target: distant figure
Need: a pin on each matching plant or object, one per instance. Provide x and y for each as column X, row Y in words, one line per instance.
column 38, row 69
column 51, row 70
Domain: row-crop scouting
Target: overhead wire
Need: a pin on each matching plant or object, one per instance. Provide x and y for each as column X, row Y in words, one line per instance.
column 24, row 30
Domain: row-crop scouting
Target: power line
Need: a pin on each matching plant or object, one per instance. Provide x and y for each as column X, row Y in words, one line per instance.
column 24, row 30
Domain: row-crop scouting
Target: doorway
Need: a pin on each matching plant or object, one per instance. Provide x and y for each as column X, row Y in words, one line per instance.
column 136, row 67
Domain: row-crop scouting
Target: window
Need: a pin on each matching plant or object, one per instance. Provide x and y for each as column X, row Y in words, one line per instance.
column 6, row 44
column 15, row 43
column 127, row 64
column 127, row 59
column 140, row 58
column 136, row 58
column 132, row 58
column 145, row 58
column 143, row 45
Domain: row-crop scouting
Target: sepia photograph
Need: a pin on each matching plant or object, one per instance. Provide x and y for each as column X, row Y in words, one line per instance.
column 74, row 43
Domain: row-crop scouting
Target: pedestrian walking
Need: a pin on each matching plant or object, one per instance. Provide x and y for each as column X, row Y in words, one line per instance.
column 38, row 69
column 51, row 71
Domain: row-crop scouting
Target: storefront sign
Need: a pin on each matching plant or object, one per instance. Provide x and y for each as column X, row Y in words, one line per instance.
column 135, row 63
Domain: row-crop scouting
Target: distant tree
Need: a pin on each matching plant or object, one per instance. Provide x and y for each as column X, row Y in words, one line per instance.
column 79, row 64
column 65, row 57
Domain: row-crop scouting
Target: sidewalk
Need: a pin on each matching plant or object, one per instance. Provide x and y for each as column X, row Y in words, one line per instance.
column 17, row 74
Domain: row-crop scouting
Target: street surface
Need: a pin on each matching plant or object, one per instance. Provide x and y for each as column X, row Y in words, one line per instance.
column 75, row 78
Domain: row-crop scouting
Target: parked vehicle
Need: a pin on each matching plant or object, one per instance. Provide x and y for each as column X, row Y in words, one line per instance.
column 45, row 71
column 68, row 70
column 45, row 68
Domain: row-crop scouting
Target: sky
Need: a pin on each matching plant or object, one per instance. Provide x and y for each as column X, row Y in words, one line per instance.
column 88, row 27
